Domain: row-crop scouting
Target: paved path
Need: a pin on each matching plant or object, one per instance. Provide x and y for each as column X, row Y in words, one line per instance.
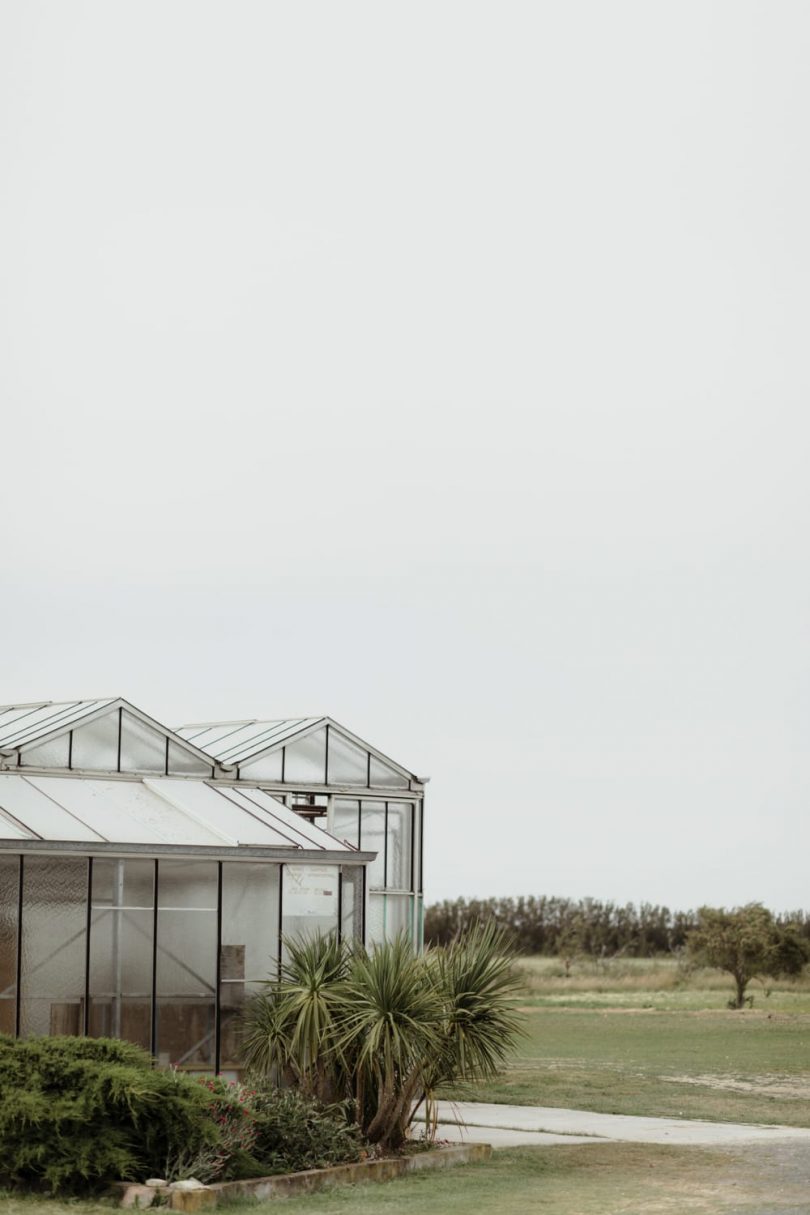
column 517, row 1125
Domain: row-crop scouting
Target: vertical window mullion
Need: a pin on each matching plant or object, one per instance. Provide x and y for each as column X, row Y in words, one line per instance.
column 86, row 1025
column 153, row 1010
column 385, row 853
column 280, row 912
column 217, row 1006
column 18, row 1002
column 340, row 906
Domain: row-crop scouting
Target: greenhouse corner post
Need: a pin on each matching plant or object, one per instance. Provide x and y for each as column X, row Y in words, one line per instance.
column 18, row 1002
column 217, row 993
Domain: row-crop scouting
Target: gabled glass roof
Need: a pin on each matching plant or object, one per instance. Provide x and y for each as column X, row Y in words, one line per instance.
column 237, row 743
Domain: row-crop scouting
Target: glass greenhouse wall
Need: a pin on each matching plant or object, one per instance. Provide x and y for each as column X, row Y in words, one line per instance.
column 162, row 952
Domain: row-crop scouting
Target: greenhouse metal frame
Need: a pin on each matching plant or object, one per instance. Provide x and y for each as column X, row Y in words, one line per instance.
column 149, row 877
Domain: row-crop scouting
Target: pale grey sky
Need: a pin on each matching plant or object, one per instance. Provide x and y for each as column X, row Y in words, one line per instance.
column 441, row 367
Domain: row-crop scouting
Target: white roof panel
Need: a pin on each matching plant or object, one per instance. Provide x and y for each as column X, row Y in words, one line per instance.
column 152, row 810
column 42, row 815
column 215, row 810
column 125, row 812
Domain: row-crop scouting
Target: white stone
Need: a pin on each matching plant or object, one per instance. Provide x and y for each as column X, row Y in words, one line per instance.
column 191, row 1184
column 155, row 1182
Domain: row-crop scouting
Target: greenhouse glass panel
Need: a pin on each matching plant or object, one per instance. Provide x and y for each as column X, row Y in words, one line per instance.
column 348, row 764
column 186, row 963
column 95, row 746
column 309, row 901
column 52, row 754
column 386, row 776
column 266, row 768
column 375, row 927
column 9, row 877
column 249, row 948
column 346, row 820
column 305, row 760
column 397, row 916
column 53, row 945
column 121, row 939
column 351, row 900
column 142, row 748
column 183, row 763
column 398, row 867
column 372, row 839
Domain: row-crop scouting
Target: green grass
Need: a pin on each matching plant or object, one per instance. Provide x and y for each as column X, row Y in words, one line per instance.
column 635, row 1037
column 598, row 1179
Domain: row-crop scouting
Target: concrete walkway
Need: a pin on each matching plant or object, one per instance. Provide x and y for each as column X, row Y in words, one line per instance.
column 518, row 1125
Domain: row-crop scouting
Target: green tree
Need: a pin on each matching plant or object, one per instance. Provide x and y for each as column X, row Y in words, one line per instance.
column 748, row 943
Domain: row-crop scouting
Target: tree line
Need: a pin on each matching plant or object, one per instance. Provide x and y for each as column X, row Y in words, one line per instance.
column 568, row 927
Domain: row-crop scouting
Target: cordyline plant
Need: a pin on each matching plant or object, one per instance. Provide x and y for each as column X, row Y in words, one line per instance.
column 384, row 1029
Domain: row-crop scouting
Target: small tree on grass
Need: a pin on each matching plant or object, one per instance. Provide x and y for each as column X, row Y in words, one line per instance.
column 748, row 943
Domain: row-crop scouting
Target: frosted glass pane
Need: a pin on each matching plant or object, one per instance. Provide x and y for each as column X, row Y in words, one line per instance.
column 95, row 746
column 183, row 763
column 9, row 872
column 397, row 916
column 375, row 933
column 388, row 778
column 309, row 900
column 372, row 839
column 266, row 768
column 53, row 754
column 186, row 962
column 345, row 820
column 121, row 937
column 351, row 902
column 398, row 872
column 249, row 921
column 305, row 760
column 187, row 923
column 348, row 764
column 53, row 944
column 123, row 883
column 142, row 748
column 121, row 954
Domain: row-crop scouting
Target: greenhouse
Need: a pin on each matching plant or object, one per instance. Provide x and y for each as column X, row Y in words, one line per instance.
column 149, row 876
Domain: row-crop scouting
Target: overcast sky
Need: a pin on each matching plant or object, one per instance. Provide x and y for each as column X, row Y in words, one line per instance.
column 443, row 368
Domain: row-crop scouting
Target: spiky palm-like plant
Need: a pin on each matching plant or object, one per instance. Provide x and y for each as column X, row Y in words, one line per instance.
column 292, row 1029
column 385, row 1028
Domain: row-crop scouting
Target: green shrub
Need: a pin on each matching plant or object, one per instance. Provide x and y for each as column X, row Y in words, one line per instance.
column 228, row 1105
column 295, row 1132
column 77, row 1113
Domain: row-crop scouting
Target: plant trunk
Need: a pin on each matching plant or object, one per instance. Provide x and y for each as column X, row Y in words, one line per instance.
column 741, row 982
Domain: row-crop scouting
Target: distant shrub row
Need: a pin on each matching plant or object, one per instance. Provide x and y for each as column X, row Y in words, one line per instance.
column 560, row 927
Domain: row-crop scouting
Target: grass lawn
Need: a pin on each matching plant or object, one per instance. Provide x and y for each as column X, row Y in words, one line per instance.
column 647, row 1038
column 583, row 1179
column 599, row 1179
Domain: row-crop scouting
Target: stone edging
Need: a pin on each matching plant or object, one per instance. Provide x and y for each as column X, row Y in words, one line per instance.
column 285, row 1185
